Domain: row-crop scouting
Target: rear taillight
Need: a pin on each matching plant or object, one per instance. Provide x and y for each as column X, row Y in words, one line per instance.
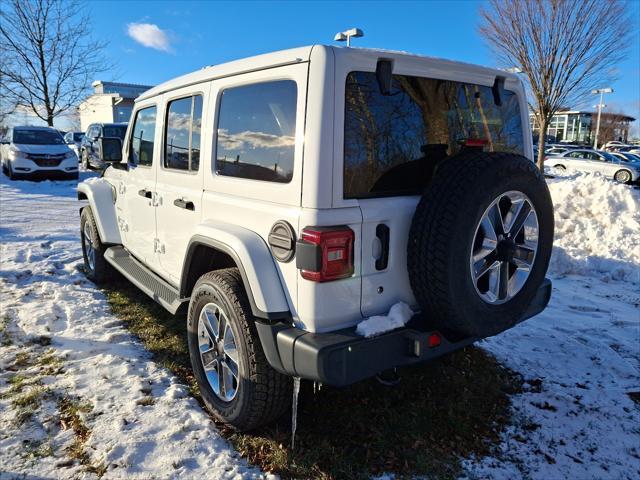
column 325, row 253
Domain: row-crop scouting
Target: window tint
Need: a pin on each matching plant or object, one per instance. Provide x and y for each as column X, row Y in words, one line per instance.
column 37, row 137
column 182, row 137
column 256, row 131
column 142, row 138
column 577, row 155
column 114, row 131
column 393, row 142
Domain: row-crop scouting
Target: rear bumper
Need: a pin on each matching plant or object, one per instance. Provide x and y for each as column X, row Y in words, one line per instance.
column 341, row 358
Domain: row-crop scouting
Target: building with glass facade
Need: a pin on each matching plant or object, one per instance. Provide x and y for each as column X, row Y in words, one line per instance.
column 580, row 127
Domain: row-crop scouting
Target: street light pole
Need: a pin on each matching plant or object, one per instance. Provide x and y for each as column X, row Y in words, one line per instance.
column 601, row 91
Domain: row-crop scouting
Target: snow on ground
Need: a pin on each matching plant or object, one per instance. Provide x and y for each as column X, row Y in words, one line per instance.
column 581, row 356
column 141, row 421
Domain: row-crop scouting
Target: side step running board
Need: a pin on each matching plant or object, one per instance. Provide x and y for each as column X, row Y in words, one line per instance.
column 143, row 278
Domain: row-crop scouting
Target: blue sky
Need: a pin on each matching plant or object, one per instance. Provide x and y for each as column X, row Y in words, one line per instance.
column 191, row 35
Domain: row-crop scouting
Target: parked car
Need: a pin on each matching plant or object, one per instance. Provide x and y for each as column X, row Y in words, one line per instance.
column 90, row 145
column 280, row 206
column 74, row 139
column 37, row 152
column 595, row 161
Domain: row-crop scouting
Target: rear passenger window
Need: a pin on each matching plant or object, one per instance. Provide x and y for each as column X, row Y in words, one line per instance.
column 256, row 131
column 142, row 138
column 182, row 135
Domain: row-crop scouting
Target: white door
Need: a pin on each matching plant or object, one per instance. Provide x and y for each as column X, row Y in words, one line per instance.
column 179, row 177
column 139, row 198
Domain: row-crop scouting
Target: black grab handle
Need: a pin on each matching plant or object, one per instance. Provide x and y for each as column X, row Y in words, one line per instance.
column 182, row 203
column 145, row 193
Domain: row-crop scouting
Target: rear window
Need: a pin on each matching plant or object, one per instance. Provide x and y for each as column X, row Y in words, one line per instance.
column 392, row 142
column 114, row 131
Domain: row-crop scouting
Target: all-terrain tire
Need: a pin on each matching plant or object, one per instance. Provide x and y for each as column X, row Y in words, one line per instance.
column 442, row 235
column 99, row 270
column 263, row 394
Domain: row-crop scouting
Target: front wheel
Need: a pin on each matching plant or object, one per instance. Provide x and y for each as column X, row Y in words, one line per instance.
column 85, row 160
column 622, row 176
column 236, row 382
column 95, row 266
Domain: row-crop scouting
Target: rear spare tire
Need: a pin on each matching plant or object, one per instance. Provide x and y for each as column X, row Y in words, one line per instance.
column 480, row 242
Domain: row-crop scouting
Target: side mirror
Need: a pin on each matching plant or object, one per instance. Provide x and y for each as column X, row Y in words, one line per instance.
column 110, row 149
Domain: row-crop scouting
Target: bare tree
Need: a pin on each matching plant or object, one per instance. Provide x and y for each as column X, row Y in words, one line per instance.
column 48, row 57
column 613, row 126
column 564, row 48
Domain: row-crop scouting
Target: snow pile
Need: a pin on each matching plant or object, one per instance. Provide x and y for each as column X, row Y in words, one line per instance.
column 398, row 316
column 141, row 421
column 597, row 228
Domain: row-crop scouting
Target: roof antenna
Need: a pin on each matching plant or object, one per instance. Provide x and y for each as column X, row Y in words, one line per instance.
column 347, row 34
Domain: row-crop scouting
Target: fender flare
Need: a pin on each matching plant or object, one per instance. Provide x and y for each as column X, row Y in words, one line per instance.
column 254, row 260
column 100, row 195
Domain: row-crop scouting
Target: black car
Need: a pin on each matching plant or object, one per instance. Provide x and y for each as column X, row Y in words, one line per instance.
column 90, row 146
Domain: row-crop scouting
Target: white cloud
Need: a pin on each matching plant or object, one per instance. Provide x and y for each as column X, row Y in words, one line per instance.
column 149, row 35
column 249, row 139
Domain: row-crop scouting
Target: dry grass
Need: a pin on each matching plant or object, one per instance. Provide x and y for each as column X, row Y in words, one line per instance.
column 442, row 411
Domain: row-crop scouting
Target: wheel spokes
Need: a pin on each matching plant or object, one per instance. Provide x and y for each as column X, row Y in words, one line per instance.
column 504, row 247
column 218, row 352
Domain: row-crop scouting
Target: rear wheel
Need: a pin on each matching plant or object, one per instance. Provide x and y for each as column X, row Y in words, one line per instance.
column 622, row 176
column 480, row 242
column 236, row 382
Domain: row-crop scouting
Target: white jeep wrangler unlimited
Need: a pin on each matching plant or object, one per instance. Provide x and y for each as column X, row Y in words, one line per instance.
column 284, row 198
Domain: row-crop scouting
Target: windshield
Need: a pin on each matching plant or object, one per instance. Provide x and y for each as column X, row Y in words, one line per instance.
column 630, row 157
column 77, row 136
column 37, row 137
column 114, row 131
column 608, row 156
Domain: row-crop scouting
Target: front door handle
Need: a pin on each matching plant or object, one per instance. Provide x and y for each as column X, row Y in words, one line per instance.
column 186, row 204
column 145, row 193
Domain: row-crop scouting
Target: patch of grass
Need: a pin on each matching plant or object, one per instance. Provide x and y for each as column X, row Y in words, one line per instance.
column 27, row 403
column 22, row 359
column 441, row 411
column 49, row 363
column 39, row 449
column 71, row 416
column 145, row 401
column 5, row 338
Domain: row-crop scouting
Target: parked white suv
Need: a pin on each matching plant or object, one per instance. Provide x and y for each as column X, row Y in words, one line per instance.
column 37, row 152
column 284, row 198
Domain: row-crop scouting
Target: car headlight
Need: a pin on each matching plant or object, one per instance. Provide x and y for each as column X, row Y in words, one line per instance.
column 69, row 154
column 16, row 154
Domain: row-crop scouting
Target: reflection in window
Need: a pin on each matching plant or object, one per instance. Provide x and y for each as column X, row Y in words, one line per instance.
column 182, row 138
column 393, row 143
column 142, row 138
column 256, row 131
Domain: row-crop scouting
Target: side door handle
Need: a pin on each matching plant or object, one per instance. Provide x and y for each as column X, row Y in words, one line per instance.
column 145, row 193
column 382, row 232
column 182, row 203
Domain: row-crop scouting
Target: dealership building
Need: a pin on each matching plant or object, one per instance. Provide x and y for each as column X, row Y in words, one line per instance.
column 580, row 127
column 110, row 102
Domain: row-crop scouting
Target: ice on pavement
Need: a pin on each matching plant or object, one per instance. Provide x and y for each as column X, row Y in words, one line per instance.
column 398, row 316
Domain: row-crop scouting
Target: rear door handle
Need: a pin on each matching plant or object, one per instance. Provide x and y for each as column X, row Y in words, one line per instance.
column 186, row 204
column 382, row 232
column 145, row 193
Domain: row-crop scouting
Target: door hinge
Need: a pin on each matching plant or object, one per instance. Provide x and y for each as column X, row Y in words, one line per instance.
column 122, row 224
column 158, row 247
